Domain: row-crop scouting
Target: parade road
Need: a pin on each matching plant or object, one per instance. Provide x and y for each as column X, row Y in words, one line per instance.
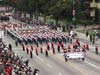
column 55, row 64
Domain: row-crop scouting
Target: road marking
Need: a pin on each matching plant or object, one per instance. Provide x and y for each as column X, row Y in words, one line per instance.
column 40, row 58
column 92, row 65
column 49, row 65
column 82, row 71
column 17, row 48
column 61, row 54
column 59, row 74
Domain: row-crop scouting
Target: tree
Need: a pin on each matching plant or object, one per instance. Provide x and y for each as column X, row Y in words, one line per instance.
column 59, row 9
column 45, row 5
column 62, row 9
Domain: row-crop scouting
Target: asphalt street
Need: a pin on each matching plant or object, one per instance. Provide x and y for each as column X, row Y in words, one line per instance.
column 55, row 63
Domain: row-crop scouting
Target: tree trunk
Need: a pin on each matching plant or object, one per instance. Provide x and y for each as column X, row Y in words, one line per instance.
column 19, row 14
column 45, row 18
column 57, row 21
column 24, row 15
column 31, row 15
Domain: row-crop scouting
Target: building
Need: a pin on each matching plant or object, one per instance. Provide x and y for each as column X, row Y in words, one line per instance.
column 95, row 10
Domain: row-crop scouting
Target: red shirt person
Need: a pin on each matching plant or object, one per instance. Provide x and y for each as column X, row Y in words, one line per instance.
column 23, row 46
column 69, row 48
column 48, row 46
column 36, row 51
column 31, row 54
column 58, row 47
column 32, row 47
column 9, row 70
column 27, row 49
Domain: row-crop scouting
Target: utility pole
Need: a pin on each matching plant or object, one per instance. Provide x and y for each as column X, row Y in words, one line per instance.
column 74, row 11
column 37, row 13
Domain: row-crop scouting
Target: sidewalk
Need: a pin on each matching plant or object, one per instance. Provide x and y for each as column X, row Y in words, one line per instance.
column 84, row 40
column 18, row 50
column 82, row 36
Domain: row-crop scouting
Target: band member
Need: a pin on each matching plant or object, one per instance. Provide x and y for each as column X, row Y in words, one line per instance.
column 23, row 46
column 78, row 42
column 62, row 45
column 48, row 47
column 46, row 53
column 96, row 49
column 31, row 47
column 53, row 50
column 58, row 47
column 10, row 47
column 41, row 50
column 36, row 51
column 87, row 46
column 31, row 54
column 16, row 42
column 27, row 50
column 83, row 49
column 69, row 48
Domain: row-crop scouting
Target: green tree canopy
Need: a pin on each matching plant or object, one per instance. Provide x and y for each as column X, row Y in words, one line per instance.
column 59, row 9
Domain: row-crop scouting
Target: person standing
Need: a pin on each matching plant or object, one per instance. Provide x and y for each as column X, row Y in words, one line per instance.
column 87, row 33
column 36, row 72
column 53, row 49
column 69, row 48
column 83, row 49
column 62, row 45
column 31, row 54
column 23, row 46
column 58, row 47
column 31, row 47
column 27, row 62
column 48, row 46
column 27, row 49
column 91, row 38
column 10, row 47
column 96, row 49
column 36, row 51
column 46, row 53
column 87, row 46
column 16, row 42
column 41, row 50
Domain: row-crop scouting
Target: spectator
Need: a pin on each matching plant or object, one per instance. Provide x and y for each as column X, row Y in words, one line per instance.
column 26, row 62
column 10, row 47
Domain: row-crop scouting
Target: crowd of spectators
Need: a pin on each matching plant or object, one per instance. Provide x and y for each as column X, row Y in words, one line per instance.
column 4, row 18
column 11, row 63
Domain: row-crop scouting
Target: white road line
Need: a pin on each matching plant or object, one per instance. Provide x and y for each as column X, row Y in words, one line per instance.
column 92, row 65
column 49, row 65
column 61, row 54
column 40, row 58
column 59, row 74
column 16, row 48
